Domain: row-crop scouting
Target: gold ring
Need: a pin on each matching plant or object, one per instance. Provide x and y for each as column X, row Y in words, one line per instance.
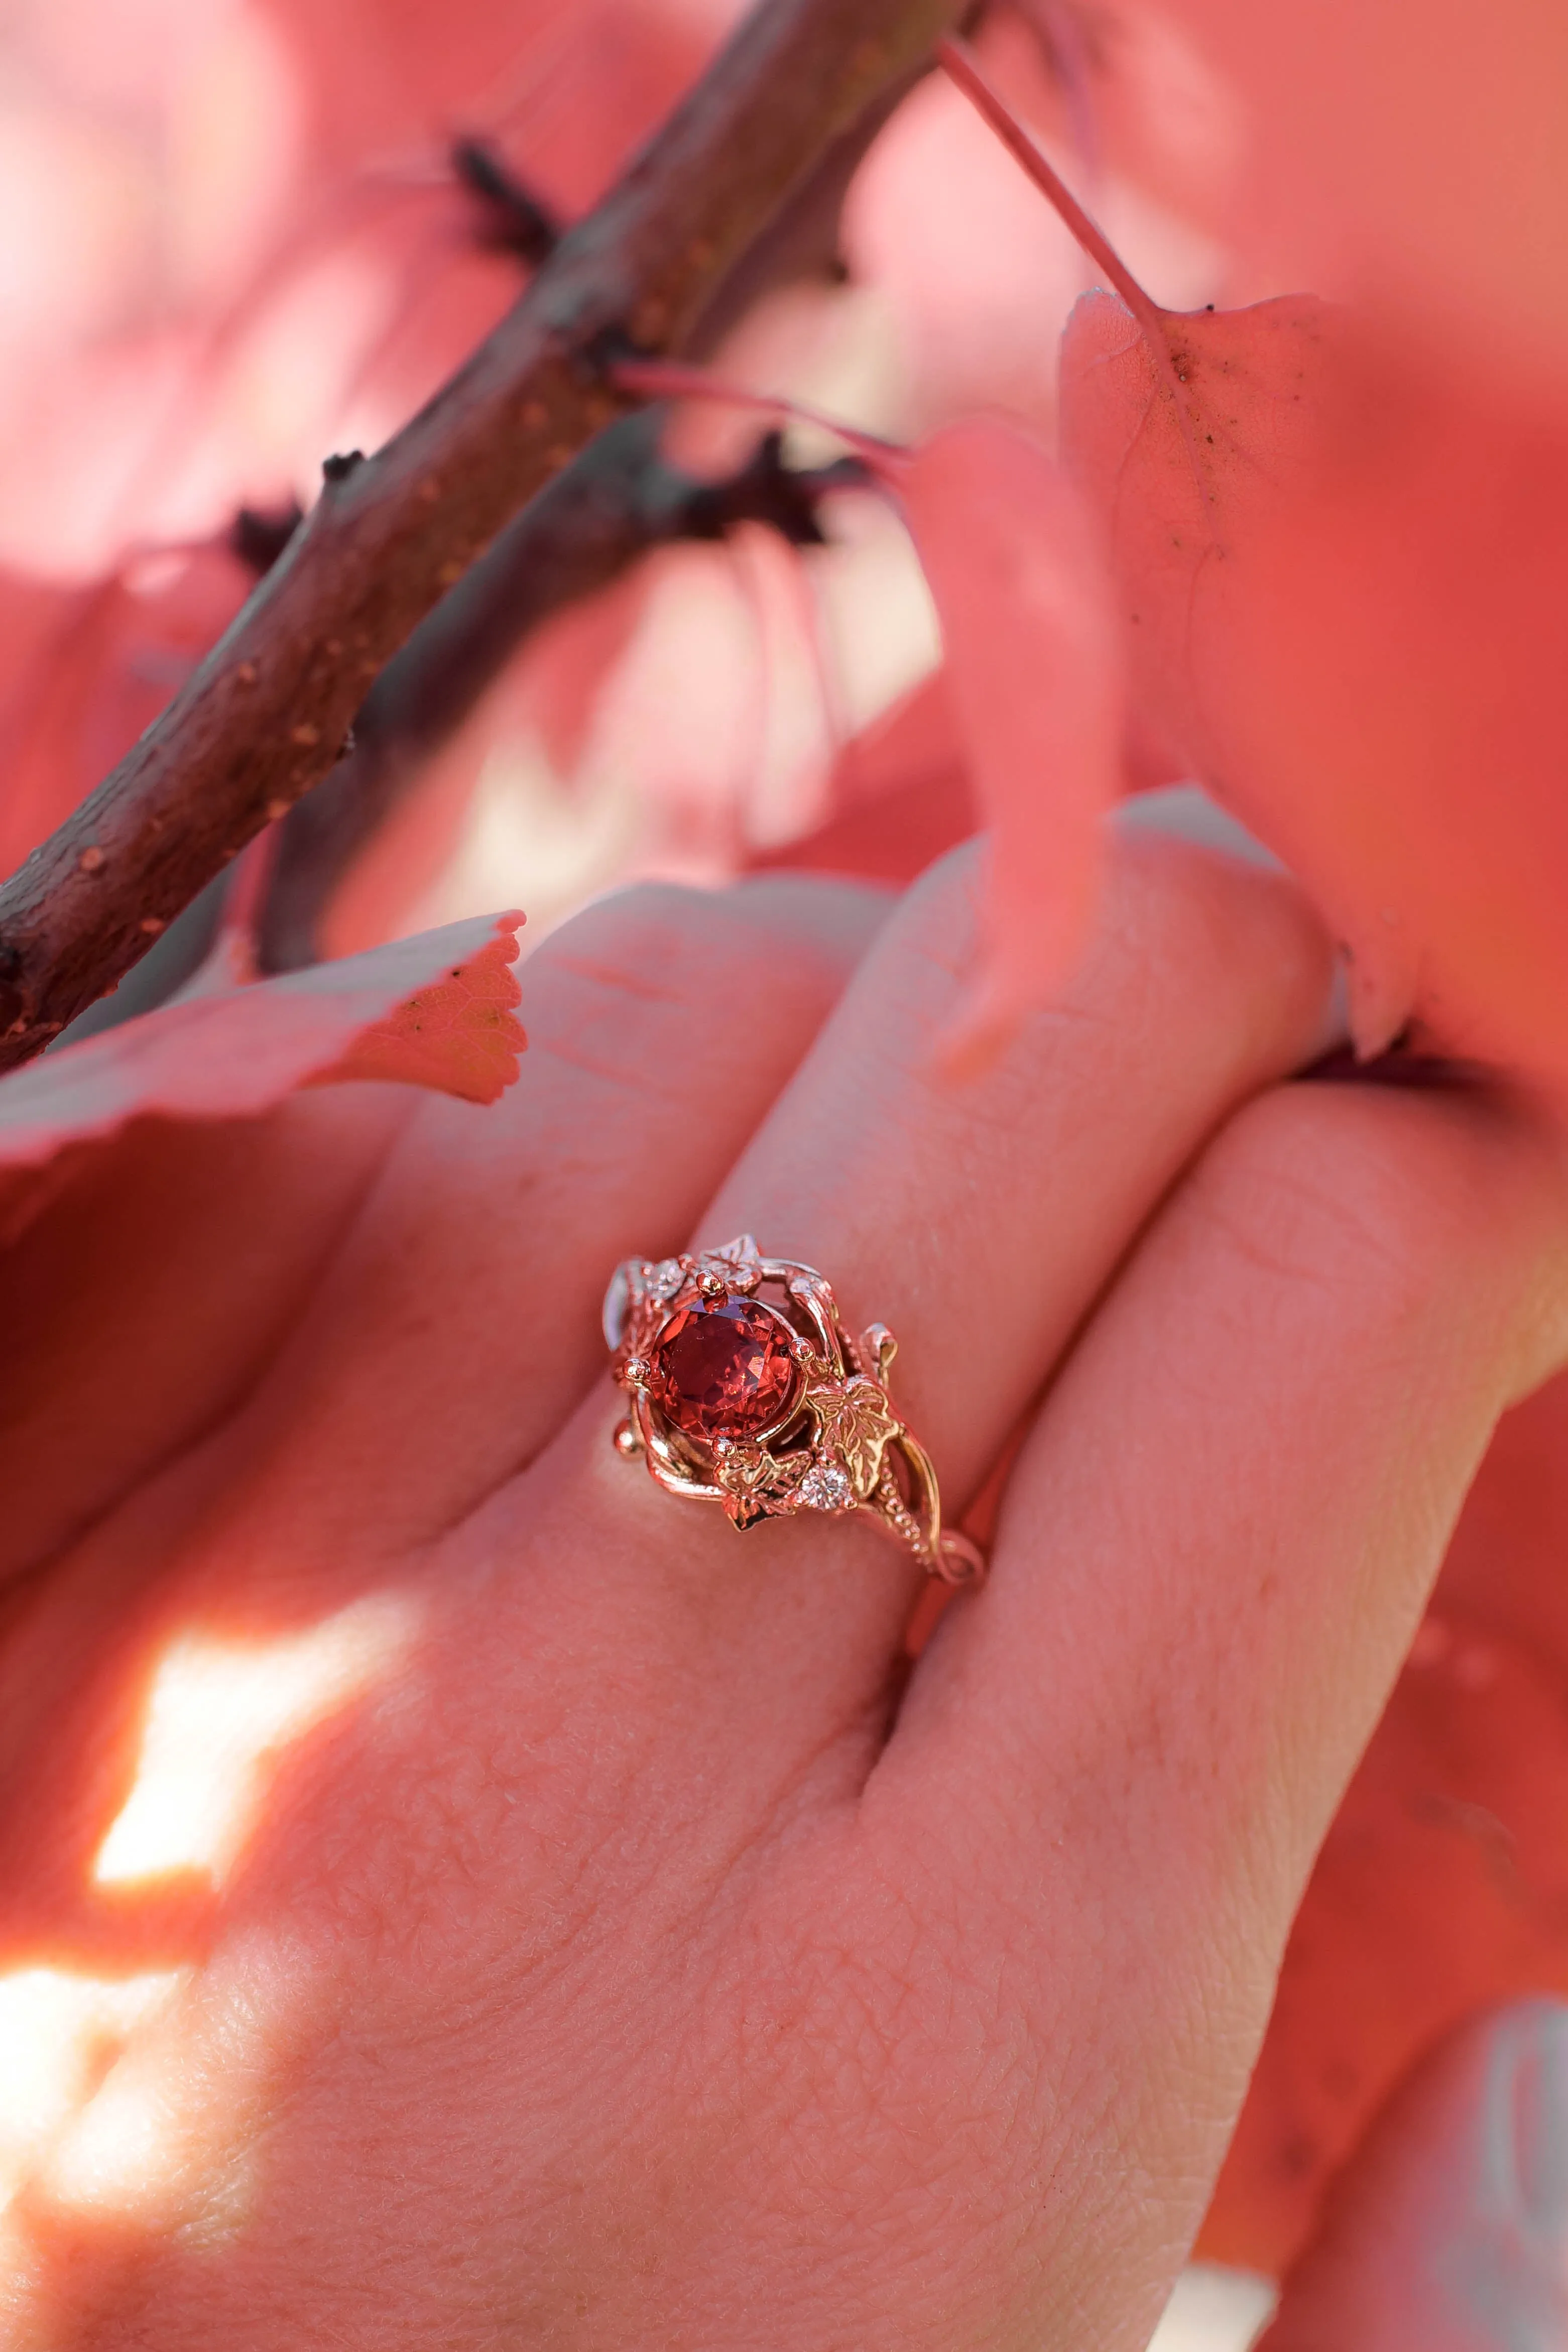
column 744, row 1388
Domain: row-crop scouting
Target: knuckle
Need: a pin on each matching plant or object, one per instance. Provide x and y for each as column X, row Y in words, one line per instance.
column 1184, row 921
column 1185, row 938
column 639, row 943
column 662, row 955
column 932, row 939
column 1381, row 1200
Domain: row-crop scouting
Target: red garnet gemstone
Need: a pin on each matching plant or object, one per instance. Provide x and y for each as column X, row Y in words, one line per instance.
column 724, row 1371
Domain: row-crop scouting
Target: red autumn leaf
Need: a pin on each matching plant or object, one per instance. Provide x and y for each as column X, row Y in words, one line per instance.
column 1338, row 580
column 1383, row 149
column 436, row 1011
column 1034, row 676
column 457, row 1034
column 1442, row 1888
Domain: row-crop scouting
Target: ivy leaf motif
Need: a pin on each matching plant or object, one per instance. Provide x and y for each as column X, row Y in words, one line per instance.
column 857, row 1422
column 736, row 1263
column 755, row 1485
column 742, row 1469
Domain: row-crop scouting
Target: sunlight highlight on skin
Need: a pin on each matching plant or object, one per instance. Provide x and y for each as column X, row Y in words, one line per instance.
column 130, row 2142
column 106, row 2086
column 169, row 2138
column 219, row 1715
column 59, row 2035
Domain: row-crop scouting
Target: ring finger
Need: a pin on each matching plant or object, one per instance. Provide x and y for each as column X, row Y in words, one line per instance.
column 980, row 1221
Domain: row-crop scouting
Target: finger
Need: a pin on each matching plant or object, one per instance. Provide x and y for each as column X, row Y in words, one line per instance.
column 992, row 1213
column 459, row 1320
column 140, row 1305
column 979, row 1221
column 1214, row 1551
column 1448, row 2231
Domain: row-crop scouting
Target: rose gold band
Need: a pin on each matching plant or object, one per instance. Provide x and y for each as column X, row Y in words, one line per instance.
column 744, row 1388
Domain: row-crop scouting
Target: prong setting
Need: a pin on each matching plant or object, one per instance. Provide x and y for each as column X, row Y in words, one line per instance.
column 746, row 1389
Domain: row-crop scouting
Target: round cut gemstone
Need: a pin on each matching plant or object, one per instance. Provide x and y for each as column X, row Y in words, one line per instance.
column 724, row 1369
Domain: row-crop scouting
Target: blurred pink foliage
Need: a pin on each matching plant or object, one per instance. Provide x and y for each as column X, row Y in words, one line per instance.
column 87, row 666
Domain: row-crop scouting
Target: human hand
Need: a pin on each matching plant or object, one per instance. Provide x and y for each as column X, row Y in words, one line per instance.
column 623, row 1949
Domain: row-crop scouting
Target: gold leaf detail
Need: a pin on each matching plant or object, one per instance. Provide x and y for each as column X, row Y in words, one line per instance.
column 857, row 1423
column 750, row 1476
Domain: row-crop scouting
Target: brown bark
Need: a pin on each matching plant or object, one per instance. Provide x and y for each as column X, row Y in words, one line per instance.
column 265, row 715
column 616, row 503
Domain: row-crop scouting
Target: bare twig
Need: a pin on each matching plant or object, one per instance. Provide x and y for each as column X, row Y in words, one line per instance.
column 258, row 535
column 618, row 502
column 264, row 716
column 517, row 221
column 615, row 501
column 680, row 383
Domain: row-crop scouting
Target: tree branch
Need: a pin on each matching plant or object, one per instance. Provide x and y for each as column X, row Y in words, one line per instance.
column 616, row 503
column 517, row 221
column 264, row 718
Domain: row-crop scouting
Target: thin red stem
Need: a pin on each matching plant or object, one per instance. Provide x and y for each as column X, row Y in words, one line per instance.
column 963, row 70
column 668, row 380
column 962, row 67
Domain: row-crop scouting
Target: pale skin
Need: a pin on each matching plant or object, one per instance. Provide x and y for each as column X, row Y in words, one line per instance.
column 632, row 1950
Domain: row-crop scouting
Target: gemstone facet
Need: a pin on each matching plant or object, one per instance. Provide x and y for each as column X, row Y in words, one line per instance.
column 724, row 1369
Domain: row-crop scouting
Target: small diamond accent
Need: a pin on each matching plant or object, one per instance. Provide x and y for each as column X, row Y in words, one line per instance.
column 826, row 1487
column 665, row 1278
